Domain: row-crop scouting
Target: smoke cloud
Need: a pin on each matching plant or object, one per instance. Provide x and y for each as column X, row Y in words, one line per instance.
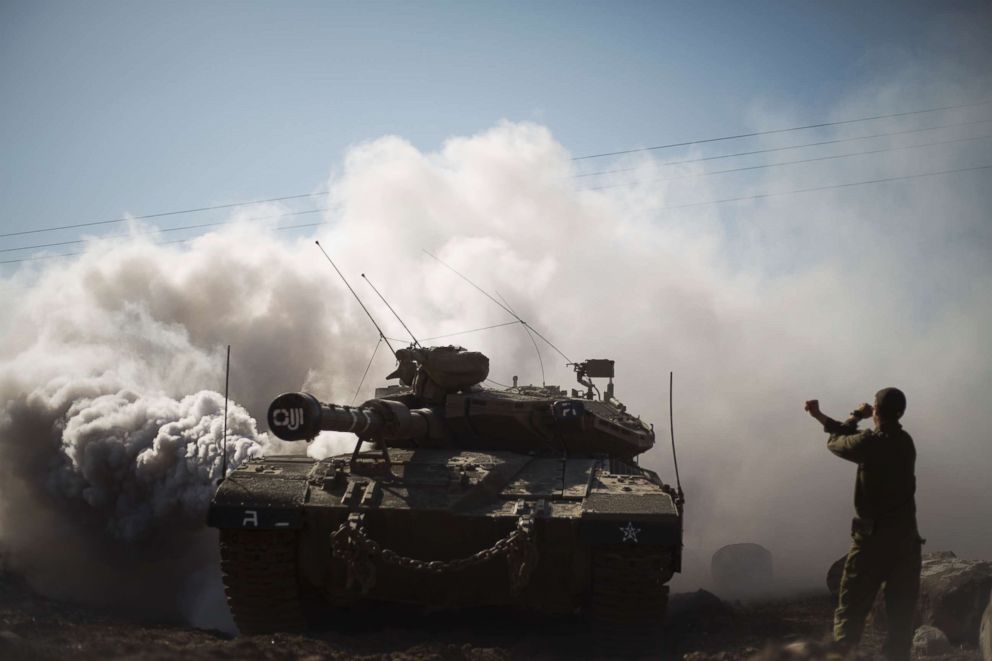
column 111, row 362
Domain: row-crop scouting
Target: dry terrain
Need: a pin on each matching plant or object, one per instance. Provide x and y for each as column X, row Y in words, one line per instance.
column 699, row 625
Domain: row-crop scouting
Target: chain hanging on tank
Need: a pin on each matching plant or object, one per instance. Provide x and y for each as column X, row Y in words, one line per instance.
column 357, row 550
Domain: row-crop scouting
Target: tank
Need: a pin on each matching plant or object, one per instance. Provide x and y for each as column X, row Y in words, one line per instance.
column 455, row 496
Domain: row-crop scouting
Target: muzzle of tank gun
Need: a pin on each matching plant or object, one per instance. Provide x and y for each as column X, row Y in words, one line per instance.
column 299, row 416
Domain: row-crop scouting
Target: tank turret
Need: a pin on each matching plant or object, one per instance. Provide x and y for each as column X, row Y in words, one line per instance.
column 445, row 407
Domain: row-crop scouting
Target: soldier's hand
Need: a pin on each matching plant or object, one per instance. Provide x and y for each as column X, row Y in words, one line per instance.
column 863, row 412
column 813, row 407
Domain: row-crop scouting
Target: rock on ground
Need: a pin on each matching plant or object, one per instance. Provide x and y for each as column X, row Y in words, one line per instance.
column 698, row 613
column 741, row 570
column 810, row 650
column 954, row 594
column 985, row 635
column 930, row 641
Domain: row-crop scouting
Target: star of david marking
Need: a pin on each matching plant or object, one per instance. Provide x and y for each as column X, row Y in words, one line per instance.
column 629, row 532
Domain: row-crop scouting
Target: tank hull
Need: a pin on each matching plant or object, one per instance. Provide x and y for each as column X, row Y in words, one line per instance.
column 445, row 528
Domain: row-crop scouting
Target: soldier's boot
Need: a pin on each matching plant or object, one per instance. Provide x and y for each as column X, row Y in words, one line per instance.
column 902, row 588
column 863, row 573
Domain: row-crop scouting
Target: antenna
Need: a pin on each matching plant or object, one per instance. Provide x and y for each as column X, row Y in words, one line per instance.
column 227, row 383
column 371, row 318
column 367, row 368
column 383, row 298
column 540, row 361
column 508, row 310
column 671, row 422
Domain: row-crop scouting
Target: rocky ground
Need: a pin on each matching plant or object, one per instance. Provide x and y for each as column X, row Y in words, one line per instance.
column 699, row 628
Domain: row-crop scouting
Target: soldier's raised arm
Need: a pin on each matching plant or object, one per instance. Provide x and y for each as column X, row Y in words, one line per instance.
column 845, row 440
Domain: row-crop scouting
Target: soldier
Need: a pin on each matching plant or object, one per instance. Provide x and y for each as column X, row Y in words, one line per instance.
column 886, row 544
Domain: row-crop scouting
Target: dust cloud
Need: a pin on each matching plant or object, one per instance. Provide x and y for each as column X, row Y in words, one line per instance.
column 111, row 362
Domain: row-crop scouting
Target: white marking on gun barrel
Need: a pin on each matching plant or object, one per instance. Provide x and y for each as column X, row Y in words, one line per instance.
column 290, row 419
column 368, row 420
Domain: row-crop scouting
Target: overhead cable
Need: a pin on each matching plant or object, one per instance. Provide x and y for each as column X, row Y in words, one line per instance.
column 796, row 162
column 678, row 206
column 823, row 188
column 165, row 229
column 753, row 134
column 162, row 214
column 156, row 243
column 790, row 147
column 603, row 187
column 576, row 158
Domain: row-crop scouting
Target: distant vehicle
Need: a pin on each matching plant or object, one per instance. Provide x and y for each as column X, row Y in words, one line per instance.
column 525, row 496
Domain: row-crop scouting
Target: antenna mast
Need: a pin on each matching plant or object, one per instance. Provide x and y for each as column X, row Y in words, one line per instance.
column 227, row 383
column 540, row 361
column 371, row 318
column 671, row 422
column 383, row 298
column 508, row 310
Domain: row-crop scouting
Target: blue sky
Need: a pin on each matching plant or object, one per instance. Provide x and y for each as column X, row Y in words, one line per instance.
column 113, row 107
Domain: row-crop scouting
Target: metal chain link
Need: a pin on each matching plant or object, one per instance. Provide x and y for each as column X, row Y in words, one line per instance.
column 352, row 545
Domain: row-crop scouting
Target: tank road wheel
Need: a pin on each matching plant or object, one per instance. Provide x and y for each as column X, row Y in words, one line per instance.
column 260, row 580
column 628, row 597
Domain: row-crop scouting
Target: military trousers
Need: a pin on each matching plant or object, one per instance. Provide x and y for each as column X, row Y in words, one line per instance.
column 887, row 557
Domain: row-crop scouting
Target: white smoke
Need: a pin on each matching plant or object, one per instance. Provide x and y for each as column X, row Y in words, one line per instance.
column 141, row 459
column 756, row 306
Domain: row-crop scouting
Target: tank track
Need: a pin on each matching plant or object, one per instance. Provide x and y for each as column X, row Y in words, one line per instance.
column 628, row 597
column 260, row 580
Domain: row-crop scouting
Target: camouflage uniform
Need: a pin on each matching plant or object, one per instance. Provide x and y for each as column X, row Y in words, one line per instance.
column 886, row 545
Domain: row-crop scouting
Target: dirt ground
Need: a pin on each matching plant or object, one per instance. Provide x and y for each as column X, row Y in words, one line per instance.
column 698, row 626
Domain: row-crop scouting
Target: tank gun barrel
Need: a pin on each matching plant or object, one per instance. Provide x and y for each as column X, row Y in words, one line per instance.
column 299, row 416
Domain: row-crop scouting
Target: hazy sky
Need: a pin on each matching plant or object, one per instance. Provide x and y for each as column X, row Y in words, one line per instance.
column 112, row 107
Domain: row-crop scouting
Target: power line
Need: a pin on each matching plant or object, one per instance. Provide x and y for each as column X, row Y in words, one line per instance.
column 156, row 243
column 666, row 208
column 791, row 147
column 678, row 206
column 775, row 131
column 576, row 158
column 604, row 187
column 163, row 214
column 796, row 162
column 167, row 229
column 823, row 188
